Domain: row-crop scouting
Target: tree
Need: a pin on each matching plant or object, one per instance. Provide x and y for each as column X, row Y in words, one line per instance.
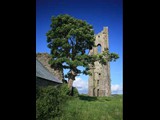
column 69, row 40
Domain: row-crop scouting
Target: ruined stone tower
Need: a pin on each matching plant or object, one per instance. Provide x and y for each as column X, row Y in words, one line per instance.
column 99, row 82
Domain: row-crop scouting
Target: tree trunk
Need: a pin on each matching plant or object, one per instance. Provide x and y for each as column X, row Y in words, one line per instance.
column 70, row 83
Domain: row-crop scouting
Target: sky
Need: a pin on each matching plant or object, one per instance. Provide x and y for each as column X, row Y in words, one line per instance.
column 98, row 13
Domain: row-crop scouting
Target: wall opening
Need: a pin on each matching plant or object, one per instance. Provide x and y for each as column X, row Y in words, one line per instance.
column 97, row 92
column 99, row 48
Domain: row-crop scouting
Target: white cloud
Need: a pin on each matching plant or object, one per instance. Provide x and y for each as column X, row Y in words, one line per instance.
column 117, row 89
column 81, row 85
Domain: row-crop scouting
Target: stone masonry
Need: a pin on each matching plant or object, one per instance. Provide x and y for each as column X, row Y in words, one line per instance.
column 44, row 58
column 99, row 82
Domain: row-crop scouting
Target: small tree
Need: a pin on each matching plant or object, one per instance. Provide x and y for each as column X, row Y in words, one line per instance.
column 69, row 40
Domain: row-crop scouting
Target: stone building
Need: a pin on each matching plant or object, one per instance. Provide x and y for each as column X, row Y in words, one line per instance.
column 99, row 82
column 44, row 77
column 44, row 59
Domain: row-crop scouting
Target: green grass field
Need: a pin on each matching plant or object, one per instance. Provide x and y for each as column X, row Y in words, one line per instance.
column 93, row 108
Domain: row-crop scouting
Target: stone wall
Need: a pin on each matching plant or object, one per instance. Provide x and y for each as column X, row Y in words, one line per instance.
column 44, row 59
column 99, row 82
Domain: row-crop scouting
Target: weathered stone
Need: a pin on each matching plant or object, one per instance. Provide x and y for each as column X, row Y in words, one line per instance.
column 44, row 59
column 99, row 82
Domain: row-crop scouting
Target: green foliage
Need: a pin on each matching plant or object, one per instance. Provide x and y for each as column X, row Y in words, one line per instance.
column 106, row 56
column 93, row 108
column 53, row 103
column 75, row 92
column 49, row 102
column 64, row 90
column 69, row 39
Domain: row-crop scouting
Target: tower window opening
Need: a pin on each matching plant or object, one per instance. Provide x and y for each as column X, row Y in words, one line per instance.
column 99, row 48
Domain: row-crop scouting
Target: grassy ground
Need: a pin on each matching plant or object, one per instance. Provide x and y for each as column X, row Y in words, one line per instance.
column 93, row 108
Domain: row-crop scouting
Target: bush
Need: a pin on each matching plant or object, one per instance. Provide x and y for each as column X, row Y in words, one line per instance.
column 49, row 103
column 64, row 90
column 75, row 92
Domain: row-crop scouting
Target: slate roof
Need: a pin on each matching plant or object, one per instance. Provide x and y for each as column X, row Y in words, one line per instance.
column 42, row 72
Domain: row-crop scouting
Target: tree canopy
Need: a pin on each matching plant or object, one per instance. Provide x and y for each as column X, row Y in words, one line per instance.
column 70, row 40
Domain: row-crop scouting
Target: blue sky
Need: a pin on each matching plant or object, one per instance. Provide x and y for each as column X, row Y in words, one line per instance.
column 98, row 13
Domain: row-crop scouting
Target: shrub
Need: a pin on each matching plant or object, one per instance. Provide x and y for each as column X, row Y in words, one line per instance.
column 75, row 92
column 64, row 90
column 49, row 103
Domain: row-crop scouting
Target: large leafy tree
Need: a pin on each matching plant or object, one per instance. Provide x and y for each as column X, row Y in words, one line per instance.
column 70, row 39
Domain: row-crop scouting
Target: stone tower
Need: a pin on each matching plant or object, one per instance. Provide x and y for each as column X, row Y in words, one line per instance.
column 99, row 82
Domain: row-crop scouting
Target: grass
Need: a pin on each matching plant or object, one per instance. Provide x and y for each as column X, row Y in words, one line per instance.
column 93, row 108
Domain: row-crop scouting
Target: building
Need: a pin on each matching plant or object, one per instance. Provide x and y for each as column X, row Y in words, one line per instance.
column 99, row 82
column 44, row 77
column 44, row 59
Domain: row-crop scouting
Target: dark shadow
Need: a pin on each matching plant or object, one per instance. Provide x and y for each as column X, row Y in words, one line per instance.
column 107, row 99
column 104, row 99
column 87, row 98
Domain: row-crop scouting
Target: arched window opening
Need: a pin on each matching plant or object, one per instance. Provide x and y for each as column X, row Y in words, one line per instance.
column 99, row 48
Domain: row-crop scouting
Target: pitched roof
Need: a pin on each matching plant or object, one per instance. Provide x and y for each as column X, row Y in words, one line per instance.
column 42, row 72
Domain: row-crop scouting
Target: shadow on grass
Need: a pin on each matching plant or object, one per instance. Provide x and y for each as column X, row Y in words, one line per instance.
column 87, row 98
column 94, row 98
